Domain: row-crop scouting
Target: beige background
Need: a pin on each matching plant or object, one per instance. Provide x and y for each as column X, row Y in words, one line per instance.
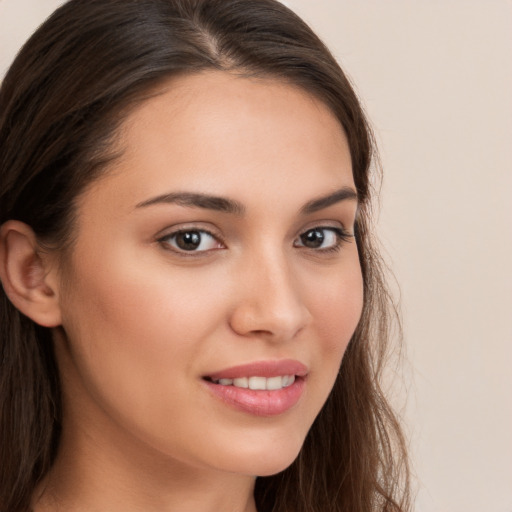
column 436, row 78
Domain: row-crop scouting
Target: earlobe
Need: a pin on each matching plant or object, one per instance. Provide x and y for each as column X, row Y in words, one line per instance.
column 25, row 274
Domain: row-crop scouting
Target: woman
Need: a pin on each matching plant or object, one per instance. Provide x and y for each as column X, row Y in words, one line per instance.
column 193, row 316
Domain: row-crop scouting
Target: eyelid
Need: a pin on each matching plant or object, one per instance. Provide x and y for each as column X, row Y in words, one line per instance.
column 335, row 225
column 207, row 227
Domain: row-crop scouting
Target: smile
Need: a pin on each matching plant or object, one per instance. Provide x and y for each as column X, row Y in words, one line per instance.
column 259, row 383
column 263, row 388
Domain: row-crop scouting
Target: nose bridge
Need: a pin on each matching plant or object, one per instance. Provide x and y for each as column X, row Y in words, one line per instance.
column 270, row 299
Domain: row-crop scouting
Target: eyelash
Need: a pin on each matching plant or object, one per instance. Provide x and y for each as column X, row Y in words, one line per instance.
column 341, row 235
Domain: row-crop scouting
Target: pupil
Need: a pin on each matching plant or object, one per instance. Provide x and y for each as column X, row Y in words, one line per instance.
column 188, row 240
column 313, row 238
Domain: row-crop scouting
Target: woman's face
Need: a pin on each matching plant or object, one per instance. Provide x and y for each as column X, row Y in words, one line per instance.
column 216, row 254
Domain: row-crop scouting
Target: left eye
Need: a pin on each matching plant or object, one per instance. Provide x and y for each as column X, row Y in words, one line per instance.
column 192, row 240
column 321, row 238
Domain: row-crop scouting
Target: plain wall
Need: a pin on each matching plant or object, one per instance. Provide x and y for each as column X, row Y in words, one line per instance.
column 436, row 79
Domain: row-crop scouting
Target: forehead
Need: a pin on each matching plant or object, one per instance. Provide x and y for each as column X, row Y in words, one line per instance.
column 223, row 134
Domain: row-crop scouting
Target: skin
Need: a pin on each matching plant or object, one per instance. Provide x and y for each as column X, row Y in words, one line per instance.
column 142, row 322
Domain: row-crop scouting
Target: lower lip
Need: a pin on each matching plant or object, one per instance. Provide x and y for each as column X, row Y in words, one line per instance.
column 259, row 402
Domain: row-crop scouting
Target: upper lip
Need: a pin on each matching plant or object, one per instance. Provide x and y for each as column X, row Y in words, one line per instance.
column 273, row 368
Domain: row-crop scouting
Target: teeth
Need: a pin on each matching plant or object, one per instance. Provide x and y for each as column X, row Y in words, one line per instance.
column 242, row 382
column 288, row 380
column 259, row 383
column 274, row 382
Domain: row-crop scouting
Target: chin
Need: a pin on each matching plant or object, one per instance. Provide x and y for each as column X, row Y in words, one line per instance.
column 267, row 461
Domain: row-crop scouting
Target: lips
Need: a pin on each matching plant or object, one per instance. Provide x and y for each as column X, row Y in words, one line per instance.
column 264, row 388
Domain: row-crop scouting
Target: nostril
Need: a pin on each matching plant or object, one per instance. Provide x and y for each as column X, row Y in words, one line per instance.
column 260, row 332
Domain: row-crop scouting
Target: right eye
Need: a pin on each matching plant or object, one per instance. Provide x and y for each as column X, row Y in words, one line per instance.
column 191, row 240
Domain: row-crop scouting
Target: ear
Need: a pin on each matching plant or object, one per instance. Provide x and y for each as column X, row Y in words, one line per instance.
column 27, row 275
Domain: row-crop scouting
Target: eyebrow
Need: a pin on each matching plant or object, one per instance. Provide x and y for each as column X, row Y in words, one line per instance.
column 343, row 194
column 197, row 200
column 225, row 205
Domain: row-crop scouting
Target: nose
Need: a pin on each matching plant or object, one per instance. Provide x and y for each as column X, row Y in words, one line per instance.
column 269, row 301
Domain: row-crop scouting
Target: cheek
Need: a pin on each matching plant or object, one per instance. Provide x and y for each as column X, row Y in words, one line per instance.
column 135, row 343
column 337, row 308
column 335, row 302
column 339, row 314
column 132, row 325
column 138, row 318
column 127, row 291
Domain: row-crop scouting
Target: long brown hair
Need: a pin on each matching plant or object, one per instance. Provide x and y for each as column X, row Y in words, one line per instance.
column 60, row 105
